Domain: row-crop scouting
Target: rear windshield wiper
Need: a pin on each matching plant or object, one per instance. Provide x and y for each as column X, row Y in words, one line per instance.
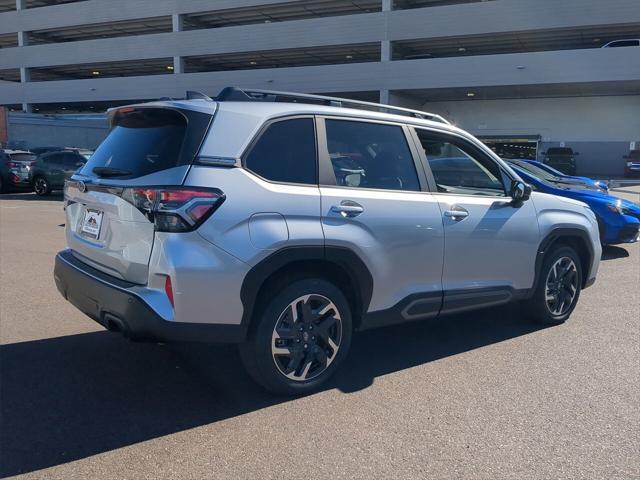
column 110, row 172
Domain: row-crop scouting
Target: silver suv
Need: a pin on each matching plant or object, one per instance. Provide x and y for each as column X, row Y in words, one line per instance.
column 285, row 222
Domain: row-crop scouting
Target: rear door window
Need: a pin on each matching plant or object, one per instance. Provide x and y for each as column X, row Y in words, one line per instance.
column 147, row 140
column 371, row 155
column 53, row 158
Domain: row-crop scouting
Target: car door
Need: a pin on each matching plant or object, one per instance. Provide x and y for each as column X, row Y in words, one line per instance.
column 54, row 165
column 490, row 241
column 374, row 202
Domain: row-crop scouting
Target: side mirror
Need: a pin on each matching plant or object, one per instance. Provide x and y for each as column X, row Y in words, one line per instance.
column 520, row 192
column 80, row 164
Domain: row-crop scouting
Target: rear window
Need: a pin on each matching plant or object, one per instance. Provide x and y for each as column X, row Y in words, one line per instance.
column 147, row 140
column 560, row 151
column 23, row 157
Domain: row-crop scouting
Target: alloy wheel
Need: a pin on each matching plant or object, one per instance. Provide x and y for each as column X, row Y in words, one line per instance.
column 561, row 286
column 306, row 337
column 40, row 186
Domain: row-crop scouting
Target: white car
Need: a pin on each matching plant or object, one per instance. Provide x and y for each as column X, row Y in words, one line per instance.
column 630, row 42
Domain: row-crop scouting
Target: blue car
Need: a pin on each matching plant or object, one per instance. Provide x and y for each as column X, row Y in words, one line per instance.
column 589, row 182
column 619, row 219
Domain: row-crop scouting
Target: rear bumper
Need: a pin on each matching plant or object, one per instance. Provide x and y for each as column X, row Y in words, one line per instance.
column 115, row 305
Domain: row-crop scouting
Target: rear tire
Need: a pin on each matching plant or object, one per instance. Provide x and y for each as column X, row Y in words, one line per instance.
column 41, row 186
column 299, row 338
column 558, row 288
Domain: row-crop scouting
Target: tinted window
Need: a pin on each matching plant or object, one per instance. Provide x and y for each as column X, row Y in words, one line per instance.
column 559, row 151
column 23, row 157
column 459, row 169
column 285, row 152
column 624, row 43
column 147, row 140
column 53, row 158
column 371, row 155
column 72, row 159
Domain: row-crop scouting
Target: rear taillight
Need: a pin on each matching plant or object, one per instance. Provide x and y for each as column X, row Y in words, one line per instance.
column 168, row 289
column 13, row 165
column 175, row 209
column 15, row 178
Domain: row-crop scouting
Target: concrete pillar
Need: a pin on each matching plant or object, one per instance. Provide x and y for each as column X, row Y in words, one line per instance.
column 178, row 26
column 385, row 52
column 21, row 4
column 23, row 41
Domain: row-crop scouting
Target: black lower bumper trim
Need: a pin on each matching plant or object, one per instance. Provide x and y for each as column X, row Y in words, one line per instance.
column 108, row 301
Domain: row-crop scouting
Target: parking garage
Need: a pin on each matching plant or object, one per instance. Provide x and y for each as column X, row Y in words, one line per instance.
column 525, row 70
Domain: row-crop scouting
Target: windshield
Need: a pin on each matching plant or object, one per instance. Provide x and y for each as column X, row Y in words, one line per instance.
column 535, row 171
column 549, row 169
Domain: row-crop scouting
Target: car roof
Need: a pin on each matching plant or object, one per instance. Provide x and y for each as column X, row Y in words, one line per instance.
column 237, row 122
column 269, row 110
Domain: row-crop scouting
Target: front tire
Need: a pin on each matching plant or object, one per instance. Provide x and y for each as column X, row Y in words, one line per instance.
column 558, row 288
column 300, row 338
column 41, row 186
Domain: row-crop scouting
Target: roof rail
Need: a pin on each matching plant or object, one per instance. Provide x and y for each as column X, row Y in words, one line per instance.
column 235, row 94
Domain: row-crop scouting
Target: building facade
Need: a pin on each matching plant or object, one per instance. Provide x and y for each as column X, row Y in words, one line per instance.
column 523, row 75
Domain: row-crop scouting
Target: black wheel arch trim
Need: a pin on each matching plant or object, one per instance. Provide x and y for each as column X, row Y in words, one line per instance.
column 345, row 258
column 559, row 234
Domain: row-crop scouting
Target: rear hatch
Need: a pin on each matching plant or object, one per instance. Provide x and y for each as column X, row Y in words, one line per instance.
column 21, row 162
column 110, row 225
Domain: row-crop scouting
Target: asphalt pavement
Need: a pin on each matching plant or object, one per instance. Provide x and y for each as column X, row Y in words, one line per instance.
column 484, row 395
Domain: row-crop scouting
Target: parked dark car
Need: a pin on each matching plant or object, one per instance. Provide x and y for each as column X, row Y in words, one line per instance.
column 41, row 150
column 14, row 167
column 561, row 158
column 52, row 169
column 5, row 172
column 632, row 164
column 20, row 162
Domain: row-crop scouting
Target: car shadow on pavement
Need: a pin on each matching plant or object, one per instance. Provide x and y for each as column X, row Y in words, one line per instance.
column 611, row 252
column 30, row 196
column 67, row 398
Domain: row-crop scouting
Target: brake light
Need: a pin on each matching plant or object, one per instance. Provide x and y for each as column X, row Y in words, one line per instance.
column 175, row 209
column 168, row 289
column 13, row 165
column 15, row 178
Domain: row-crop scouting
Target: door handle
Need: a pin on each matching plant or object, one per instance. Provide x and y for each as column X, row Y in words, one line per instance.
column 348, row 209
column 456, row 213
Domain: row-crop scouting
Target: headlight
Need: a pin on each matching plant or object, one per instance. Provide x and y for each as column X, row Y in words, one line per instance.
column 615, row 208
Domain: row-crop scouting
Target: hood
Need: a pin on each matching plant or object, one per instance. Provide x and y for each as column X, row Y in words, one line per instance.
column 579, row 194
